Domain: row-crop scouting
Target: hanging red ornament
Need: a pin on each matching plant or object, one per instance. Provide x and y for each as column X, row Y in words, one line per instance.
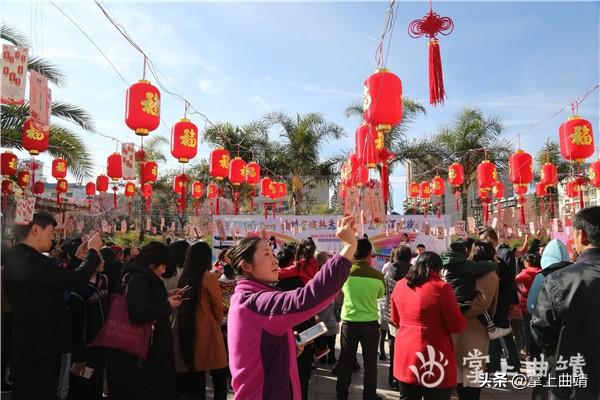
column 149, row 172
column 197, row 190
column 252, row 173
column 129, row 193
column 520, row 173
column 265, row 186
column 382, row 100
column 593, row 174
column 114, row 167
column 576, row 139
column 35, row 138
column 237, row 171
column 7, row 187
column 219, row 163
column 572, row 189
column 540, row 189
column 38, row 188
column 184, row 140
column 456, row 177
column 438, row 186
column 485, row 203
column 424, row 190
column 486, row 175
column 180, row 187
column 147, row 195
column 23, row 179
column 140, row 155
column 59, row 168
column 142, row 107
column 62, row 186
column 90, row 189
column 430, row 25
column 102, row 183
column 9, row 164
column 366, row 150
column 362, row 175
column 549, row 174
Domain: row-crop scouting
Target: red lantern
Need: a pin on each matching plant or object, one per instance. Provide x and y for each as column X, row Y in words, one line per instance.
column 438, row 186
column 142, row 108
column 520, row 167
column 594, row 174
column 366, row 150
column 147, row 192
column 114, row 168
column 549, row 174
column 38, row 188
column 212, row 191
column 486, row 175
column 414, row 190
column 59, row 168
column 572, row 189
column 424, row 190
column 179, row 184
column 62, row 186
column 540, row 189
column 576, row 139
column 456, row 174
column 129, row 189
column 382, row 100
column 520, row 189
column 140, row 155
column 237, row 170
column 23, row 179
column 7, row 187
column 149, row 172
column 184, row 140
column 102, row 183
column 9, row 164
column 498, row 190
column 265, row 184
column 197, row 190
column 35, row 138
column 219, row 164
column 252, row 173
column 281, row 189
column 362, row 175
column 90, row 189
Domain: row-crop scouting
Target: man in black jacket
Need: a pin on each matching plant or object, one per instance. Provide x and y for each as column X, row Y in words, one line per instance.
column 507, row 296
column 565, row 321
column 35, row 287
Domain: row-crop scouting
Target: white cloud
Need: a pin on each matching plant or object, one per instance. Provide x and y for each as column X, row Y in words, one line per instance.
column 260, row 101
column 209, row 86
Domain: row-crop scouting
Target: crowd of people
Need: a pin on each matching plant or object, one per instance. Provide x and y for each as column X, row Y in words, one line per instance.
column 239, row 320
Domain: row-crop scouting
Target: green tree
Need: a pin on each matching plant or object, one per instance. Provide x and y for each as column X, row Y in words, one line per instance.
column 302, row 139
column 63, row 142
column 550, row 152
column 469, row 140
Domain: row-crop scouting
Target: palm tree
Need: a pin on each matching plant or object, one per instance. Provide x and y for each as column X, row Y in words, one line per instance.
column 469, row 140
column 63, row 142
column 302, row 138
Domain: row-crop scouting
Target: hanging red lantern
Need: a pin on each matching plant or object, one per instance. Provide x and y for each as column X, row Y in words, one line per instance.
column 90, row 189
column 142, row 107
column 129, row 189
column 520, row 167
column 594, row 174
column 362, row 175
column 540, row 189
column 252, row 173
column 498, row 190
column 520, row 189
column 114, row 168
column 486, row 175
column 38, row 188
column 576, row 139
column 102, row 183
column 184, row 140
column 438, row 186
column 572, row 189
column 7, row 187
column 382, row 100
column 147, row 191
column 414, row 190
column 212, row 191
column 179, row 184
column 281, row 189
column 197, row 190
column 149, row 172
column 366, row 150
column 485, row 200
column 549, row 174
column 62, row 186
column 9, row 164
column 237, row 170
column 219, row 163
column 456, row 177
column 424, row 190
column 35, row 138
column 23, row 179
column 140, row 155
column 59, row 168
column 265, row 184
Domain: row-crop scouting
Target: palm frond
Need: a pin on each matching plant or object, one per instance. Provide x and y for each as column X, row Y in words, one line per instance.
column 47, row 69
column 14, row 116
column 13, row 36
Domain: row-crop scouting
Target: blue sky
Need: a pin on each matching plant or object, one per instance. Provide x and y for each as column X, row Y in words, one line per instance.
column 519, row 61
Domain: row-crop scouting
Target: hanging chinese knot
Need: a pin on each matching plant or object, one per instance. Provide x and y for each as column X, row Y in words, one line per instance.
column 430, row 25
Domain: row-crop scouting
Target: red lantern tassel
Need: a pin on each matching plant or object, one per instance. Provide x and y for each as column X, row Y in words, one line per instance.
column 236, row 196
column 252, row 202
column 436, row 76
column 486, row 215
column 439, row 210
column 129, row 207
column 385, row 183
column 148, row 201
column 522, row 203
column 551, row 205
column 114, row 197
column 456, row 196
column 218, row 208
column 58, row 199
column 274, row 205
column 266, row 210
column 196, row 207
column 580, row 197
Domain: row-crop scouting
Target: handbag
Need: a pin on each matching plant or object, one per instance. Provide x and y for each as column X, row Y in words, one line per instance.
column 120, row 333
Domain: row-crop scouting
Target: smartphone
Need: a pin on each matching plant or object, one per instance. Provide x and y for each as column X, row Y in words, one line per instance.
column 87, row 372
column 184, row 289
column 311, row 333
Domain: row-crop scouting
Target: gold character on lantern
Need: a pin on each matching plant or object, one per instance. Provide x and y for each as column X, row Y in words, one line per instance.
column 60, row 167
column 151, row 104
column 366, row 98
column 34, row 134
column 581, row 136
column 451, row 173
column 249, row 171
column 495, row 174
column 542, row 176
column 154, row 171
column 436, row 185
column 62, row 185
column 224, row 161
column 188, row 139
column 129, row 189
column 13, row 164
column 26, row 178
column 271, row 187
column 591, row 174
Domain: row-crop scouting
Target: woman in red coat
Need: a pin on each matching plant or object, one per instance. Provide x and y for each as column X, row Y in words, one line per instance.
column 426, row 312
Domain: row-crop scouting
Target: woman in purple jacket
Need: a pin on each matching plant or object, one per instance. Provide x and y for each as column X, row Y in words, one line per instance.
column 262, row 347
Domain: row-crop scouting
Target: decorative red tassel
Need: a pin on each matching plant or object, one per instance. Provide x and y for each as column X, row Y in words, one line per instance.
column 218, row 208
column 436, row 76
column 196, row 207
column 551, row 205
column 266, row 210
column 274, row 205
column 114, row 197
column 439, row 210
column 486, row 214
column 236, row 196
column 148, row 201
column 252, row 202
column 129, row 207
column 58, row 199
column 580, row 196
column 385, row 183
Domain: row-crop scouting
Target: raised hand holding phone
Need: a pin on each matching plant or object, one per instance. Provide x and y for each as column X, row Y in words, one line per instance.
column 95, row 242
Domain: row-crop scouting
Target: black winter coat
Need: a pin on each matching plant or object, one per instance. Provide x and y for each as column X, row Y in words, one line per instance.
column 393, row 274
column 565, row 321
column 507, row 288
column 35, row 286
column 130, row 377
